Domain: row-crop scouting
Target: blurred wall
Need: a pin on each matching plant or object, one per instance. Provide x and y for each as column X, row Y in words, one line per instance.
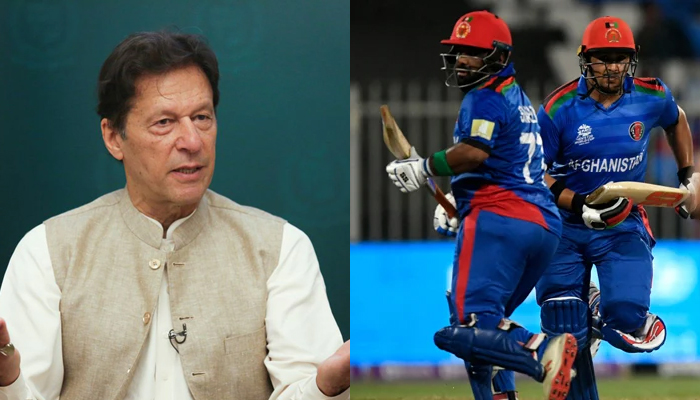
column 400, row 39
column 282, row 143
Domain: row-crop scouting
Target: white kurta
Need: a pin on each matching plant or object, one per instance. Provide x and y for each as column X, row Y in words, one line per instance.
column 299, row 322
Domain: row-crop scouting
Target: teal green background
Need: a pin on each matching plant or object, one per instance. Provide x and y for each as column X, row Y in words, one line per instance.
column 283, row 114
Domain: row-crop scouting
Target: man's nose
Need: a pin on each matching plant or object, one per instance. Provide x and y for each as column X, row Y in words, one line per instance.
column 190, row 138
column 615, row 66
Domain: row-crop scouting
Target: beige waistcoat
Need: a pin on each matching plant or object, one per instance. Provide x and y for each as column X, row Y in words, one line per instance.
column 108, row 264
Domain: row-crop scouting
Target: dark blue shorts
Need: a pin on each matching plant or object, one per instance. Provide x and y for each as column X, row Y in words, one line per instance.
column 497, row 262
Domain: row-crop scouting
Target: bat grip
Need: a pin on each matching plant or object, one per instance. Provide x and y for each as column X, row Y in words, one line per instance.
column 450, row 210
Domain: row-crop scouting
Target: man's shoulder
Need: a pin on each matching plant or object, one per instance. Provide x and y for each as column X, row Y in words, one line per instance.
column 92, row 208
column 225, row 205
column 650, row 87
column 563, row 95
column 483, row 103
column 498, row 85
column 488, row 93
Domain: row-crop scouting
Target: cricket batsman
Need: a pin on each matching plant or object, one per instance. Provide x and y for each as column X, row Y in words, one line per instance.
column 511, row 225
column 595, row 129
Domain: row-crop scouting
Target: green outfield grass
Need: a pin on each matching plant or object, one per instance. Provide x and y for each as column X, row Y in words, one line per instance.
column 638, row 388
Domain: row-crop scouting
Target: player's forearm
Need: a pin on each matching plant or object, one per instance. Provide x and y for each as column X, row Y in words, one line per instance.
column 456, row 160
column 565, row 198
column 680, row 139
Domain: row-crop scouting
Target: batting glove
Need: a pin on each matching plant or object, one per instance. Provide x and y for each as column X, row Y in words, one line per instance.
column 603, row 216
column 409, row 174
column 443, row 224
column 684, row 210
column 693, row 201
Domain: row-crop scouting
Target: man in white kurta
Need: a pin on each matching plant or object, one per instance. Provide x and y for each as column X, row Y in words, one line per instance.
column 91, row 297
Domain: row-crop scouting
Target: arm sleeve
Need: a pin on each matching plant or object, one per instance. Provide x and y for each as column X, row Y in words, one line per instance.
column 29, row 302
column 550, row 136
column 481, row 117
column 301, row 329
column 669, row 113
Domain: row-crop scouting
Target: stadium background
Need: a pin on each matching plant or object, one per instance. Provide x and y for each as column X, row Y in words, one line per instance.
column 400, row 268
column 282, row 114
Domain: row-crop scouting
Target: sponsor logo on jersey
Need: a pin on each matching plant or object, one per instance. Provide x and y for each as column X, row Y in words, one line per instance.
column 482, row 128
column 584, row 136
column 617, row 164
column 636, row 130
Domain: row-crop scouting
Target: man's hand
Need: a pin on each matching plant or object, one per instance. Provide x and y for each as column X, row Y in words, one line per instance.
column 333, row 377
column 692, row 204
column 443, row 224
column 688, row 207
column 603, row 216
column 9, row 365
column 409, row 174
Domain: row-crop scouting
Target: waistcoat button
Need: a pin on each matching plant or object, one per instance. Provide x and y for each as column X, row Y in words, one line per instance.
column 154, row 264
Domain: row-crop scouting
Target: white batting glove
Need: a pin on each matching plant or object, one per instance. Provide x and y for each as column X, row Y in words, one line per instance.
column 409, row 174
column 443, row 224
column 608, row 215
column 686, row 209
column 691, row 203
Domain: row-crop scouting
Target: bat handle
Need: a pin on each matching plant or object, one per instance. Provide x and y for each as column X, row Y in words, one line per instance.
column 450, row 210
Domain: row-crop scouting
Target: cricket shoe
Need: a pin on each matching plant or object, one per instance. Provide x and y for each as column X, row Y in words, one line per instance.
column 594, row 304
column 558, row 361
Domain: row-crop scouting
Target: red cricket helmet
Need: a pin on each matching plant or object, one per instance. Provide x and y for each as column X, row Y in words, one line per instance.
column 479, row 34
column 479, row 29
column 607, row 33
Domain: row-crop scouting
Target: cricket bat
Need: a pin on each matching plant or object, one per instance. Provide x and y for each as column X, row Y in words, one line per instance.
column 397, row 143
column 645, row 194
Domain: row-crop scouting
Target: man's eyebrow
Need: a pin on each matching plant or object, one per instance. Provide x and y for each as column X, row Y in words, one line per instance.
column 166, row 110
column 207, row 105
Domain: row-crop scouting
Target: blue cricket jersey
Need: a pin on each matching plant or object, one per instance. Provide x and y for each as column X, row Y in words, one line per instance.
column 587, row 145
column 497, row 117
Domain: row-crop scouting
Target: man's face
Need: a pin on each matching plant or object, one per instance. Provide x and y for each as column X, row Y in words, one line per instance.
column 609, row 70
column 169, row 150
column 470, row 63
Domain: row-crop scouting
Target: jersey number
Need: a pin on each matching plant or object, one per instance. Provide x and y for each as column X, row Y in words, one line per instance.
column 532, row 140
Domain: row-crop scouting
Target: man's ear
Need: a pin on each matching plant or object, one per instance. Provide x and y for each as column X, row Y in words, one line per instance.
column 113, row 139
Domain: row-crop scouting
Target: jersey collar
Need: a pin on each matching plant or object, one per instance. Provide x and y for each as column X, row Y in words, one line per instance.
column 508, row 70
